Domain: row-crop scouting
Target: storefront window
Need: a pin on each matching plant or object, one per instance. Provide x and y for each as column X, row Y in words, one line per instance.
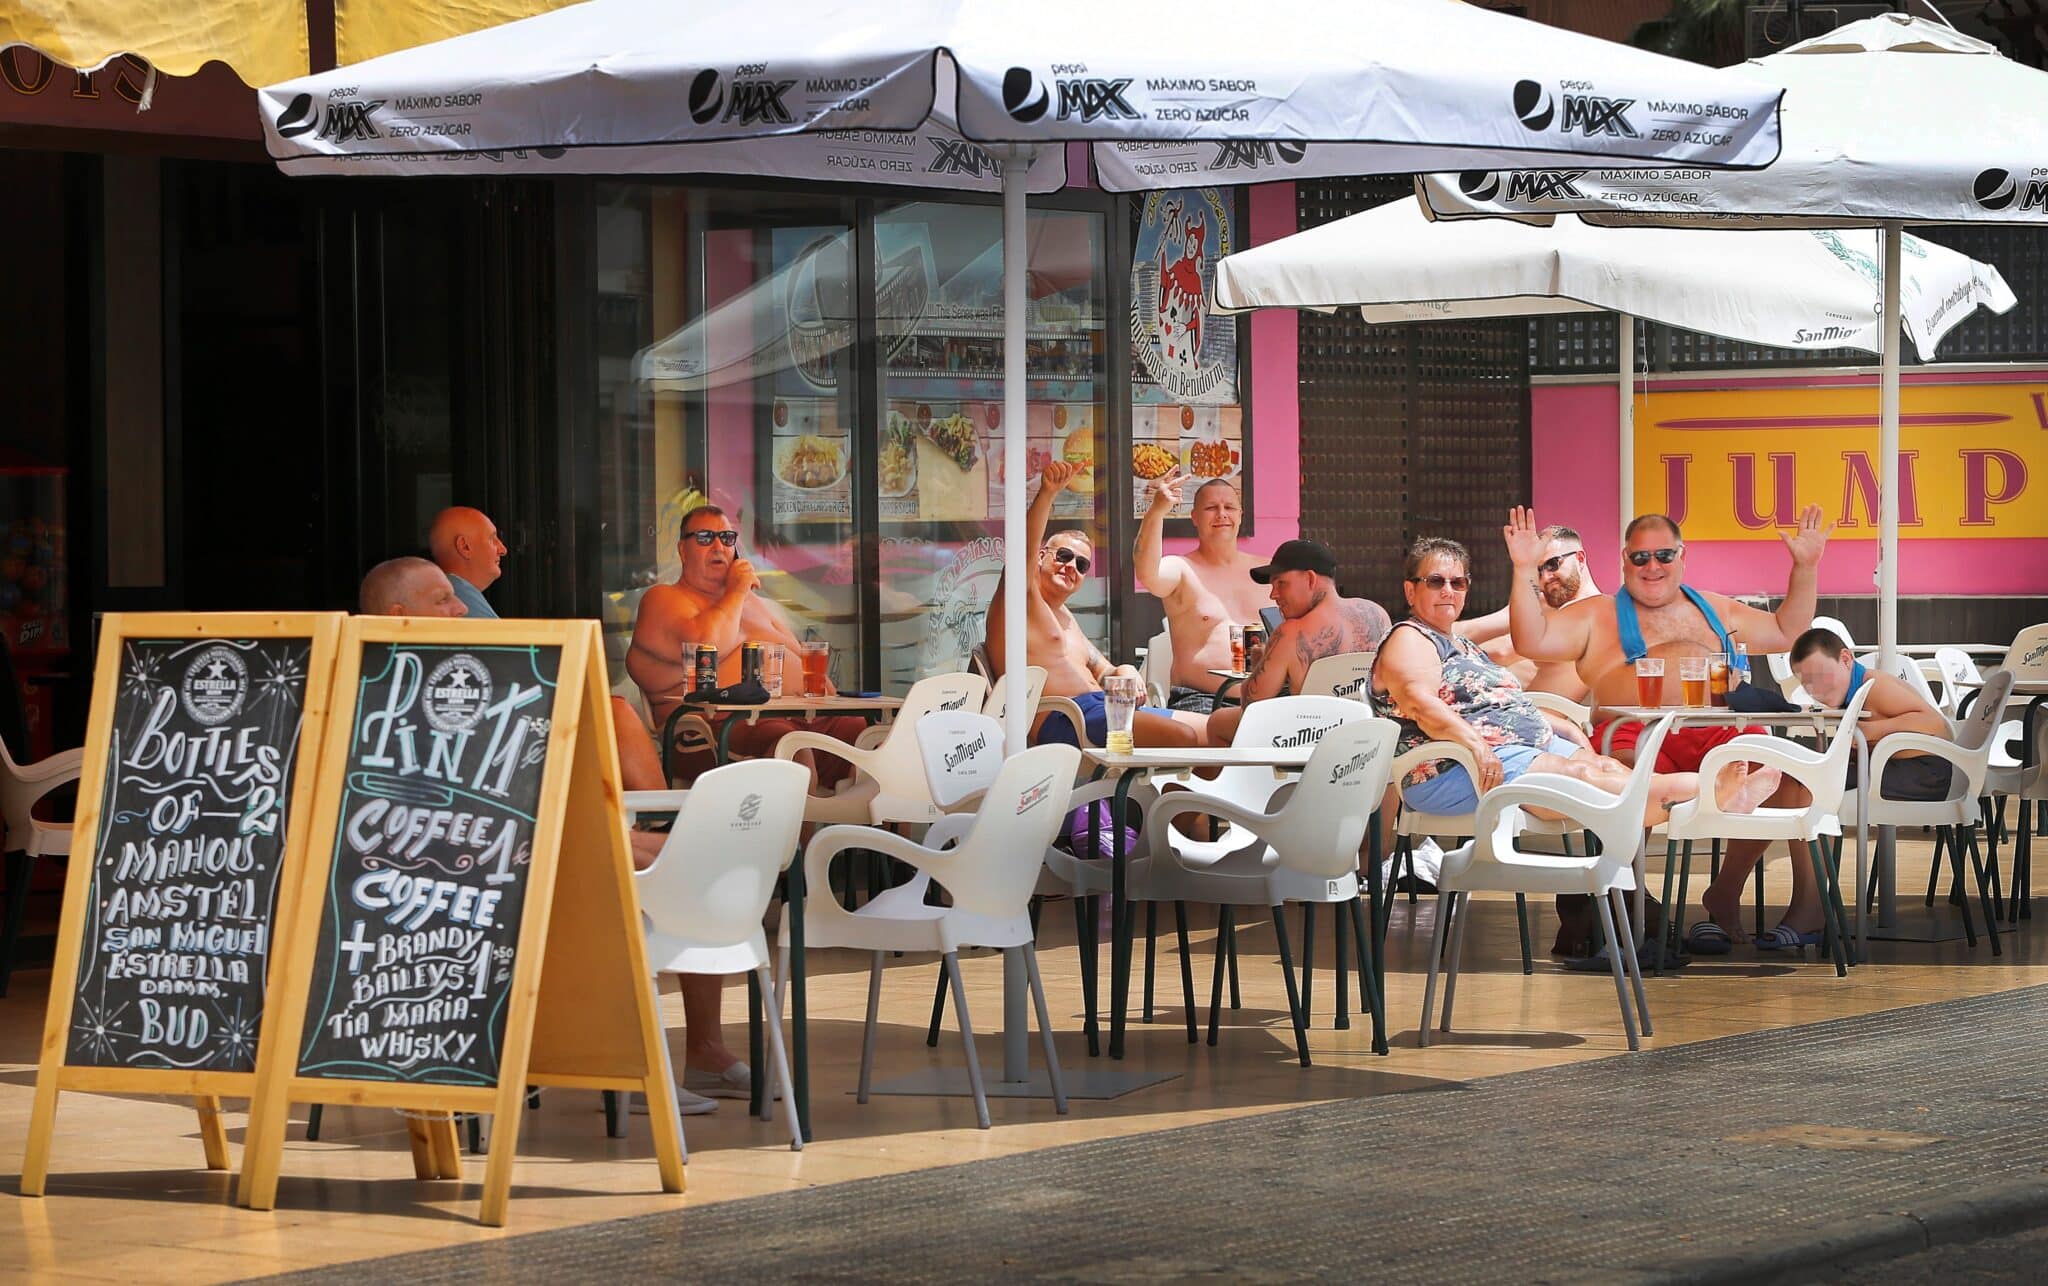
column 831, row 377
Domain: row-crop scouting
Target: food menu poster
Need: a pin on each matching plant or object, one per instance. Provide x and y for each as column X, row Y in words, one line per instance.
column 1201, row 442
column 810, row 462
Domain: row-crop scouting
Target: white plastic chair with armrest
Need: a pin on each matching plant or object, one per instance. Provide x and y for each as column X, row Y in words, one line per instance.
column 2023, row 778
column 1836, row 628
column 1346, row 674
column 1492, row 862
column 1959, row 674
column 1822, row 773
column 28, row 836
column 988, row 877
column 997, row 705
column 889, row 785
column 703, row 900
column 1157, row 669
column 1304, row 850
column 1968, row 753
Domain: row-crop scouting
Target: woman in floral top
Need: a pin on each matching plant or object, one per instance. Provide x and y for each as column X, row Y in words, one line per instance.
column 1444, row 688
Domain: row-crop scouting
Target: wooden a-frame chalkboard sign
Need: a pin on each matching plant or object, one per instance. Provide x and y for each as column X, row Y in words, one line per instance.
column 193, row 800
column 466, row 926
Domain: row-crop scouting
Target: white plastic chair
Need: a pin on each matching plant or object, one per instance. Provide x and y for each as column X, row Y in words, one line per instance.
column 1157, row 669
column 1959, row 674
column 1836, row 628
column 1346, row 674
column 1821, row 773
column 988, row 877
column 1304, row 850
column 1491, row 862
column 2023, row 779
column 2027, row 658
column 702, row 902
column 28, row 836
column 997, row 705
column 1954, row 820
column 889, row 785
column 1908, row 671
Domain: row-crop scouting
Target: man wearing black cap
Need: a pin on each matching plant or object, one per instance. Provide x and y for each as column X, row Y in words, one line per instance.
column 1318, row 623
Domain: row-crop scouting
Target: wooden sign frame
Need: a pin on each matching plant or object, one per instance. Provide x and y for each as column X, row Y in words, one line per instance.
column 322, row 630
column 588, row 1021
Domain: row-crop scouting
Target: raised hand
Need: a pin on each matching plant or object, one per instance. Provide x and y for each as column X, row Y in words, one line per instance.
column 1810, row 539
column 1057, row 475
column 1524, row 538
column 1166, row 490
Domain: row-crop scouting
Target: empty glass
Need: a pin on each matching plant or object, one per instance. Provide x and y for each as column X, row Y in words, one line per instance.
column 771, row 668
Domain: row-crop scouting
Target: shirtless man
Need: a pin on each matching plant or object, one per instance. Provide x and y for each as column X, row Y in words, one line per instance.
column 1205, row 591
column 1656, row 614
column 416, row 587
column 1053, row 638
column 1562, row 578
column 1318, row 623
column 713, row 601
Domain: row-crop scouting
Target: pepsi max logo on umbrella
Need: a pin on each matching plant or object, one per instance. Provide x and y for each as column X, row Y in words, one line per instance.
column 1588, row 114
column 1479, row 185
column 1089, row 98
column 344, row 121
column 1997, row 189
column 1251, row 155
column 958, row 156
column 750, row 102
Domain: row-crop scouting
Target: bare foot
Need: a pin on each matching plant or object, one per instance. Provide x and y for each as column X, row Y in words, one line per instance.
column 1743, row 789
column 1727, row 913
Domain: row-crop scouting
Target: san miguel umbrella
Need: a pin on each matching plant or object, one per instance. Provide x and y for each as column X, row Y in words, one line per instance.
column 1426, row 84
column 1900, row 120
column 1800, row 289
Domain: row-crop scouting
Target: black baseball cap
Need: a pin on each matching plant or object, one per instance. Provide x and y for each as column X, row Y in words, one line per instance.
column 1297, row 556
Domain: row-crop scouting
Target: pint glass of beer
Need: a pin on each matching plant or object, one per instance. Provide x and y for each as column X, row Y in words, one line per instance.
column 1650, row 681
column 1692, row 673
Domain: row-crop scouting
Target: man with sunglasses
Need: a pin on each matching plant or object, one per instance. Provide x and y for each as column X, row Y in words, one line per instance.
column 1562, row 578
column 1054, row 639
column 713, row 601
column 1204, row 591
column 1655, row 613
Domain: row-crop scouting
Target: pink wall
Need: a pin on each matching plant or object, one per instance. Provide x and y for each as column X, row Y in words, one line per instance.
column 1275, row 394
column 1576, row 478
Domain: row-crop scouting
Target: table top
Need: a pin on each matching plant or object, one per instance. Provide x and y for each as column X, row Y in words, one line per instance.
column 1158, row 758
column 2020, row 687
column 1929, row 649
column 809, row 706
column 1717, row 714
column 1239, row 675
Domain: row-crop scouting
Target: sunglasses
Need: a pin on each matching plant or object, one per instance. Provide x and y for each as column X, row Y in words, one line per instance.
column 704, row 538
column 1550, row 565
column 1436, row 581
column 1081, row 562
column 1642, row 557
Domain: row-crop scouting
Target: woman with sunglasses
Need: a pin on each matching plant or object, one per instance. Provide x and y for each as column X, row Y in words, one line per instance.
column 1442, row 687
column 1054, row 639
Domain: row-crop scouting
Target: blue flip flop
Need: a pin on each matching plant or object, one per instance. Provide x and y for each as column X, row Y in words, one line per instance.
column 1708, row 939
column 1783, row 937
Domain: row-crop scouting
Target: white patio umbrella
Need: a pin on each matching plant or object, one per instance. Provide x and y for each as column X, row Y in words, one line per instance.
column 1427, row 83
column 1813, row 289
column 1900, row 120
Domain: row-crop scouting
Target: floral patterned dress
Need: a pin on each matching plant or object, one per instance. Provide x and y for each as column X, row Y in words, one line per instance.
column 1480, row 692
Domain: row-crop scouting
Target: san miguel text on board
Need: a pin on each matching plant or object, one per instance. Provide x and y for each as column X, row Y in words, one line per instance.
column 429, row 877
column 187, row 862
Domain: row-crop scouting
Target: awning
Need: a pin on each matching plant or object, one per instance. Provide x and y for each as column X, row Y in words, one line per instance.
column 263, row 40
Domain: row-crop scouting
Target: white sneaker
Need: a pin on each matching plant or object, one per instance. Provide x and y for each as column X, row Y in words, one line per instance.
column 736, row 1081
column 687, row 1104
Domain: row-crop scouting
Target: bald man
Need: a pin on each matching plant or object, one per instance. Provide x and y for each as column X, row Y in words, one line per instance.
column 409, row 587
column 465, row 544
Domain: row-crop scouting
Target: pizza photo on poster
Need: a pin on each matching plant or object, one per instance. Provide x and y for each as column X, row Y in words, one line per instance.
column 1177, row 345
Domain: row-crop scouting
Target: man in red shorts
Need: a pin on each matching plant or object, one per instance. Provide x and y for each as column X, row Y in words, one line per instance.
column 713, row 601
column 1655, row 613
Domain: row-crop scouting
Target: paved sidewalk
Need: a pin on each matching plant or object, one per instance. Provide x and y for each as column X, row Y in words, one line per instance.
column 1772, row 1155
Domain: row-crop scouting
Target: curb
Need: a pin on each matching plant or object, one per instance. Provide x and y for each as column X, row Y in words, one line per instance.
column 1876, row 1238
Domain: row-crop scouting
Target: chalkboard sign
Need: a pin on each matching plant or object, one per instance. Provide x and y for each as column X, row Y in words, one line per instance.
column 190, row 849
column 194, row 792
column 440, row 792
column 445, row 949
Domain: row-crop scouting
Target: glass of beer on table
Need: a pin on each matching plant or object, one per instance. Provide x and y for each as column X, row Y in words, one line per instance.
column 1692, row 674
column 1237, row 648
column 1120, row 709
column 1717, row 679
column 1650, row 681
column 817, row 659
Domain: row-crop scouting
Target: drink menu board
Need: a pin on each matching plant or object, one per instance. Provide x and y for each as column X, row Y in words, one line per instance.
column 420, row 911
column 188, row 856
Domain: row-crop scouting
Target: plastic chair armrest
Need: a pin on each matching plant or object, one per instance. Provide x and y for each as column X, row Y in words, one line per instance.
column 834, row 840
column 1971, row 763
column 1172, row 804
column 804, row 739
column 1581, row 801
column 54, row 771
column 1770, row 752
column 1552, row 703
column 635, row 802
column 1065, row 706
column 948, row 830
